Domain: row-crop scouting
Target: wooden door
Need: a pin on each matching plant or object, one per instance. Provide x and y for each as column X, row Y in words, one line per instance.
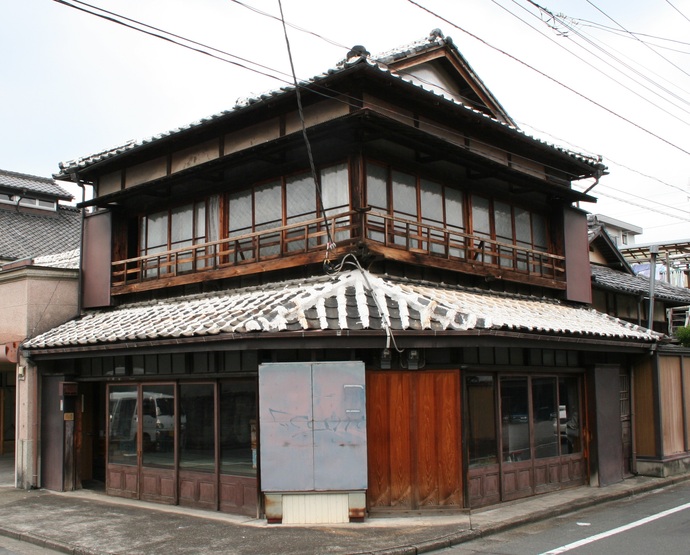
column 413, row 427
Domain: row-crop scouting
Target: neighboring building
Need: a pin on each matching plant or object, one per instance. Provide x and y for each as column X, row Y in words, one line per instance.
column 656, row 390
column 408, row 329
column 622, row 233
column 671, row 260
column 37, row 289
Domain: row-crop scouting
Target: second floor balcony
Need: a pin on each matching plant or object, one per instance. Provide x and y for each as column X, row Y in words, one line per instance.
column 371, row 231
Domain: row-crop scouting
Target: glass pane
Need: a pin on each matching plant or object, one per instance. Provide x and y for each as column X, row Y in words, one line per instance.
column 515, row 419
column 335, row 192
column 240, row 212
column 157, row 231
column 238, row 432
column 181, row 226
column 335, row 189
column 544, row 416
column 455, row 221
column 122, row 428
column 481, row 420
column 481, row 223
column 377, row 190
column 268, row 205
column 197, row 429
column 431, row 195
column 539, row 232
column 300, row 198
column 569, row 415
column 405, row 195
column 503, row 222
column 158, row 425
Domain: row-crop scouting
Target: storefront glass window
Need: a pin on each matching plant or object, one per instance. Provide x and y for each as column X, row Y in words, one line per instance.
column 515, row 419
column 238, row 431
column 158, row 426
column 544, row 415
column 197, row 430
column 122, row 428
column 481, row 420
column 569, row 415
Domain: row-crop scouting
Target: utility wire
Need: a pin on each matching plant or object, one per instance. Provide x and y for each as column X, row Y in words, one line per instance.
column 572, row 29
column 200, row 44
column 581, row 95
column 641, row 42
column 675, row 8
column 314, row 87
column 331, row 245
column 602, row 72
column 632, row 35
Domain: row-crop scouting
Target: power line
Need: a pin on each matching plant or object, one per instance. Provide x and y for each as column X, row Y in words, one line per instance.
column 581, row 95
column 641, row 42
column 200, row 44
column 675, row 8
column 607, row 75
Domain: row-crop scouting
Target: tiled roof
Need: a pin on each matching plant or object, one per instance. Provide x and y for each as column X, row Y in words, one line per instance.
column 25, row 234
column 68, row 260
column 638, row 285
column 378, row 62
column 21, row 182
column 354, row 300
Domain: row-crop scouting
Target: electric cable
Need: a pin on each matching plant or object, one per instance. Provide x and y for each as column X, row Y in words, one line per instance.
column 553, row 79
column 609, row 64
column 643, row 43
column 221, row 59
column 330, row 244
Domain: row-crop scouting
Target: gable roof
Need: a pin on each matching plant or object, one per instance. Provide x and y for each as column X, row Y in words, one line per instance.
column 353, row 301
column 601, row 240
column 28, row 234
column 22, row 183
column 481, row 107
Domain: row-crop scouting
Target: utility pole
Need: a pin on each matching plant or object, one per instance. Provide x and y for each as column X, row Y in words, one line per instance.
column 653, row 251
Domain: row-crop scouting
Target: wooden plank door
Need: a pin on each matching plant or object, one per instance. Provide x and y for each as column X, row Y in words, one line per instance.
column 414, row 440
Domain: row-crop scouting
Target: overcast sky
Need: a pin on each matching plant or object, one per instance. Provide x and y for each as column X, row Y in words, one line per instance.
column 605, row 77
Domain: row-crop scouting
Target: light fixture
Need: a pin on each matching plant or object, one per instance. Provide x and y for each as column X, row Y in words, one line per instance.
column 385, row 359
column 413, row 359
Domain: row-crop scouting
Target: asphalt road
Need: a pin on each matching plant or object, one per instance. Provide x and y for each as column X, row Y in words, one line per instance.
column 657, row 522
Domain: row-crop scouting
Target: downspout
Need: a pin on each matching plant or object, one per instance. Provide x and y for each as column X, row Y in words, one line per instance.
column 75, row 178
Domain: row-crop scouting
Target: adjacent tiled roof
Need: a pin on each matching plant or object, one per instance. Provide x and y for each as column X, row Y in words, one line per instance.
column 28, row 234
column 68, row 260
column 638, row 285
column 21, row 182
column 378, row 62
column 354, row 300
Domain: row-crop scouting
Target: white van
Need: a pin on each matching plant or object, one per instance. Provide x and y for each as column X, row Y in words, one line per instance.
column 158, row 414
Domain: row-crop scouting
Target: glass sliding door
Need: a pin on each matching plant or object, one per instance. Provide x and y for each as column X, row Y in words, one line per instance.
column 198, row 483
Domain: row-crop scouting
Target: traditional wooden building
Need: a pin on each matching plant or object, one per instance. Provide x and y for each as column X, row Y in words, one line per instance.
column 656, row 388
column 389, row 315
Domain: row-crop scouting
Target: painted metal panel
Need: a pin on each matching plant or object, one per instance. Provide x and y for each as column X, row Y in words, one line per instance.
column 313, row 426
column 285, row 416
column 578, row 272
column 340, row 435
column 96, row 258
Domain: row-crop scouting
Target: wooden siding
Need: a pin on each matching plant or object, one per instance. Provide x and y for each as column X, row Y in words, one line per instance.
column 645, row 419
column 671, row 403
column 579, row 274
column 414, row 440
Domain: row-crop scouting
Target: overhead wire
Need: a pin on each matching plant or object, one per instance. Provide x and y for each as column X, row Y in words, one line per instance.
column 632, row 35
column 553, row 79
column 156, row 35
column 314, row 86
column 627, row 66
column 330, row 244
column 675, row 8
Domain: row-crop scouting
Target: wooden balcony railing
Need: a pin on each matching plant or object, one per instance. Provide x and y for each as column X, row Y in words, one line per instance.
column 463, row 248
column 453, row 247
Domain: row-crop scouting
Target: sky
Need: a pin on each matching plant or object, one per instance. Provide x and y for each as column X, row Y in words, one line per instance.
column 600, row 77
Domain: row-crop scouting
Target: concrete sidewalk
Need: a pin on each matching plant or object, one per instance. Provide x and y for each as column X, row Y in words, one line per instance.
column 86, row 522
